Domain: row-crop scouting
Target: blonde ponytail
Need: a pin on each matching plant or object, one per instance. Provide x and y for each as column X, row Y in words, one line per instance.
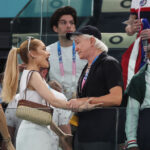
column 11, row 75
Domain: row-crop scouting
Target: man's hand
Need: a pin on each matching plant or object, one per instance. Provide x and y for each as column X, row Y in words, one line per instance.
column 133, row 27
column 145, row 34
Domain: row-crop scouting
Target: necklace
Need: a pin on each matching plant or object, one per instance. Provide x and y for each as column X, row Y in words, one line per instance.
column 87, row 72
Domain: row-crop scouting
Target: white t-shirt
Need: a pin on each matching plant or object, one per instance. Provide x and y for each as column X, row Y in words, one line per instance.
column 54, row 73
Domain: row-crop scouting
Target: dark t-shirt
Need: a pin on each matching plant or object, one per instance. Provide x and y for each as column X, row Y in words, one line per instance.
column 99, row 124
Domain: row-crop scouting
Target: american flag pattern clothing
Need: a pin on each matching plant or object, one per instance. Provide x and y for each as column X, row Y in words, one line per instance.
column 136, row 3
column 134, row 58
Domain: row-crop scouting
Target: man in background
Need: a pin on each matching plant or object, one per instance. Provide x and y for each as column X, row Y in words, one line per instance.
column 134, row 57
column 66, row 65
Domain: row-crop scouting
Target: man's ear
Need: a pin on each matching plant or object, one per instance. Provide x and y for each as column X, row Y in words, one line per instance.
column 55, row 29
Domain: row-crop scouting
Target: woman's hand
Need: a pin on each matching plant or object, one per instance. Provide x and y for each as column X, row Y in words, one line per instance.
column 74, row 104
column 82, row 104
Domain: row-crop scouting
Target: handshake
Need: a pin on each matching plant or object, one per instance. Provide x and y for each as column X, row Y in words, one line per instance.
column 83, row 104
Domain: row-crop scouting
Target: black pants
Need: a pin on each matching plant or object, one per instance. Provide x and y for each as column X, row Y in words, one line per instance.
column 93, row 145
column 143, row 133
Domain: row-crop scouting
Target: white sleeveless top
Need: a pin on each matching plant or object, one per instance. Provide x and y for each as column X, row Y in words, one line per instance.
column 33, row 133
column 31, row 95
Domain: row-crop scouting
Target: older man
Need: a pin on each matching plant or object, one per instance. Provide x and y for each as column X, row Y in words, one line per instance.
column 101, row 81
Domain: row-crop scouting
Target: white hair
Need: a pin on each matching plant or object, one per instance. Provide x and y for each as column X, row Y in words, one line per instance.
column 98, row 43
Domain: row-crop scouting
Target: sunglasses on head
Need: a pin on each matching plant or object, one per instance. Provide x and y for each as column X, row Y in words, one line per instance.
column 29, row 38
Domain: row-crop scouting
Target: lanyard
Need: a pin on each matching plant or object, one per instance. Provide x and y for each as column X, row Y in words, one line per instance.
column 139, row 10
column 61, row 66
column 87, row 72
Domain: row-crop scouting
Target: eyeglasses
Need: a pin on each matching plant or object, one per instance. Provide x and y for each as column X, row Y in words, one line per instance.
column 64, row 22
column 29, row 38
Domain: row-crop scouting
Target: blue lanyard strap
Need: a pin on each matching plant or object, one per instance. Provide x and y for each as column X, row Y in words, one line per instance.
column 73, row 52
column 95, row 59
column 87, row 72
column 59, row 52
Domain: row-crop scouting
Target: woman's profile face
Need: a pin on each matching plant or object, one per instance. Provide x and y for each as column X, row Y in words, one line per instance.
column 42, row 56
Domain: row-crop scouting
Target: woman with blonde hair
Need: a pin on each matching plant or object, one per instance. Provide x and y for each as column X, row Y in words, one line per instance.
column 33, row 53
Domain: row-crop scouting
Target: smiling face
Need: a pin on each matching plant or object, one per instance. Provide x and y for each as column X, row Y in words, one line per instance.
column 65, row 24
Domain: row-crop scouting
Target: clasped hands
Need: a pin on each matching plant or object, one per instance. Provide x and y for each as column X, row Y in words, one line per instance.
column 82, row 104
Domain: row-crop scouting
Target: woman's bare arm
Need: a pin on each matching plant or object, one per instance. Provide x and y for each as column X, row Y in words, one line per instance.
column 4, row 130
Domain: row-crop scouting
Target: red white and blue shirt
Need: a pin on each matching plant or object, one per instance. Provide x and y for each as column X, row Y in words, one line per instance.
column 145, row 8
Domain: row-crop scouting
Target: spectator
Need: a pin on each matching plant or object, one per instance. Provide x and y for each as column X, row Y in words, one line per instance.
column 66, row 66
column 134, row 24
column 100, row 81
column 60, row 117
column 138, row 122
column 134, row 57
column 34, row 55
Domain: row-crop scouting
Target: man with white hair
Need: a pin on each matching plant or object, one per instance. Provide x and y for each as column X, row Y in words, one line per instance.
column 100, row 81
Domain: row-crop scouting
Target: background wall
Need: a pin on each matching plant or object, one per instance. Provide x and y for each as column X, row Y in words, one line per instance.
column 9, row 8
column 107, row 15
